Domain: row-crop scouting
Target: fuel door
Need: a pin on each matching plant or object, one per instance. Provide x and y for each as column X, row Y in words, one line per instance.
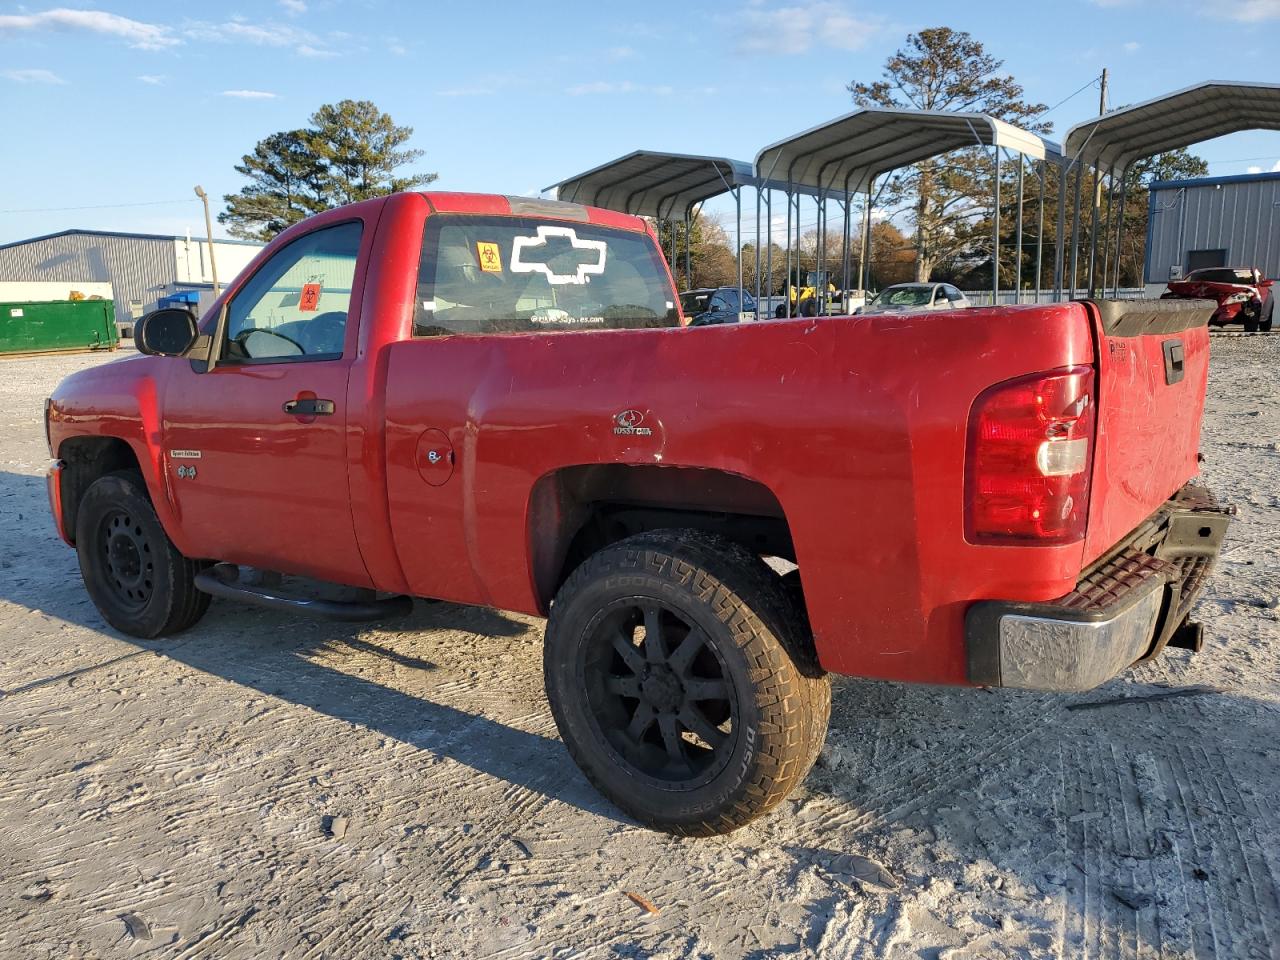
column 435, row 457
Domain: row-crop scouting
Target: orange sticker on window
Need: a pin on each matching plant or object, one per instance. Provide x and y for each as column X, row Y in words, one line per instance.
column 490, row 257
column 310, row 298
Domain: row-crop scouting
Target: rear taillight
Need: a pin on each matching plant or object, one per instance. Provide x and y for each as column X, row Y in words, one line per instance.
column 1028, row 462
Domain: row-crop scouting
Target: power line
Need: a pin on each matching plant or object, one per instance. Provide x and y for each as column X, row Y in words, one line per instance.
column 99, row 206
column 1091, row 83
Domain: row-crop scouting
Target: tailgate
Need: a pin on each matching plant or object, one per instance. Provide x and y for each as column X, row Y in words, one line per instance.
column 1153, row 364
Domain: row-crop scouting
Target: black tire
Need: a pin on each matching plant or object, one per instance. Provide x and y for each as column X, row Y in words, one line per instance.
column 1268, row 310
column 809, row 307
column 135, row 576
column 780, row 312
column 690, row 765
column 1251, row 326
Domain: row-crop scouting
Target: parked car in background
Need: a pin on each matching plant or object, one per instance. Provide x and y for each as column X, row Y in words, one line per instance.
column 711, row 305
column 916, row 296
column 1243, row 295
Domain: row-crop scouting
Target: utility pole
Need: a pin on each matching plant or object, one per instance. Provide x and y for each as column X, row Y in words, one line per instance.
column 1097, row 190
column 208, row 230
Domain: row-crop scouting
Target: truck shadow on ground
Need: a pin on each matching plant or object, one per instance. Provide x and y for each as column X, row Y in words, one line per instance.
column 280, row 656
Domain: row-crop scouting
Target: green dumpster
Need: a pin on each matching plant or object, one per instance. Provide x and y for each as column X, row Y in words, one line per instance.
column 57, row 325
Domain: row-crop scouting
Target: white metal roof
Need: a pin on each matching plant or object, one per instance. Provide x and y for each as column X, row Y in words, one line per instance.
column 1119, row 138
column 844, row 155
column 652, row 184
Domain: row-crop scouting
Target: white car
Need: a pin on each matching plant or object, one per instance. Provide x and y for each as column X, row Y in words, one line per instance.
column 902, row 297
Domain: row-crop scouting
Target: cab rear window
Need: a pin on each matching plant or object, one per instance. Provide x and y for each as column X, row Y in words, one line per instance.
column 494, row 275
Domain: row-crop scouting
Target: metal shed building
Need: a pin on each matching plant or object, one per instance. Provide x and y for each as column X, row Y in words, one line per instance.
column 141, row 268
column 1213, row 222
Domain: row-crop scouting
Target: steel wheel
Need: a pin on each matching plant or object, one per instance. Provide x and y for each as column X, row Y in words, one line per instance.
column 129, row 565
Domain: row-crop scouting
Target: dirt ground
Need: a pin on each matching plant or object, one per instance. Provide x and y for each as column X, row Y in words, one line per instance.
column 267, row 786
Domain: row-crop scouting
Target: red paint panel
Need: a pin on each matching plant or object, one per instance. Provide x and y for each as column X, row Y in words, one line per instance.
column 856, row 425
column 1148, row 431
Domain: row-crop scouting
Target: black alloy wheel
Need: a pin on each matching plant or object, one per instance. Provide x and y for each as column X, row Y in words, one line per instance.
column 658, row 693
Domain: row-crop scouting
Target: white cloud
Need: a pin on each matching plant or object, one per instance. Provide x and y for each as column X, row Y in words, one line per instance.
column 1133, row 46
column 622, row 86
column 1275, row 168
column 1246, row 11
column 143, row 36
column 250, row 94
column 33, row 76
column 268, row 34
column 480, row 90
column 798, row 27
column 1253, row 170
column 620, row 53
column 155, row 79
column 294, row 7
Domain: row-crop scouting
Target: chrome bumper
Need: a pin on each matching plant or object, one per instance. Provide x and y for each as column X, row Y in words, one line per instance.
column 1126, row 609
column 1053, row 653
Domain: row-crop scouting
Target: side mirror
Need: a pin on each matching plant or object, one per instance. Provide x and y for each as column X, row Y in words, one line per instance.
column 166, row 333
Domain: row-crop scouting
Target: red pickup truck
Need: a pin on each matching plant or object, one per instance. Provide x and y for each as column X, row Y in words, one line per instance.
column 494, row 401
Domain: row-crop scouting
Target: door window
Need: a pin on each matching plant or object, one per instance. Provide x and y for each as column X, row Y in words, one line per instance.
column 295, row 306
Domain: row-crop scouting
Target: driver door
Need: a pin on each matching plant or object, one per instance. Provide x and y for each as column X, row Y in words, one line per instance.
column 255, row 449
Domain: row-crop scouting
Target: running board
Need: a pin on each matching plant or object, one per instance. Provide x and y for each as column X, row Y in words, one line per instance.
column 223, row 580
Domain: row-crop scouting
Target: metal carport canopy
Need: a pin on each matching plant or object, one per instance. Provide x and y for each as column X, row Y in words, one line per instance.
column 844, row 155
column 1117, row 139
column 652, row 184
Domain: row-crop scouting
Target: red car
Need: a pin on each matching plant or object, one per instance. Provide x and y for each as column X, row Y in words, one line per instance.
column 495, row 401
column 1242, row 295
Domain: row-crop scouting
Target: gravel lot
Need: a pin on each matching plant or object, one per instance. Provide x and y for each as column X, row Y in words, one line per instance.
column 268, row 786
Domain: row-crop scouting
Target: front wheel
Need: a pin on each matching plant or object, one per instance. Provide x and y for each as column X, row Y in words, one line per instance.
column 681, row 680
column 1268, row 310
column 135, row 576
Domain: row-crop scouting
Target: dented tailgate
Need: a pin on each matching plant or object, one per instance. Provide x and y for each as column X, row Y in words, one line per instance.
column 1153, row 364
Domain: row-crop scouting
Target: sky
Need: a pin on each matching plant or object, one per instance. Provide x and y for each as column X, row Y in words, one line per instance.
column 114, row 112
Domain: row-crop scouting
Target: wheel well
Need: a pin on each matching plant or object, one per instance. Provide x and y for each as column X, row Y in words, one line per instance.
column 86, row 459
column 577, row 511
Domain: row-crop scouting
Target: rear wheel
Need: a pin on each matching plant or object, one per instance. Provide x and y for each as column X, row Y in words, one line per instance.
column 135, row 576
column 680, row 677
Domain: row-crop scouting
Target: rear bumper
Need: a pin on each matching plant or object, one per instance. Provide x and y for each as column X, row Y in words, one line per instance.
column 1125, row 608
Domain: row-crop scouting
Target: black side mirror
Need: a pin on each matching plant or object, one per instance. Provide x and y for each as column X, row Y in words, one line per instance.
column 166, row 333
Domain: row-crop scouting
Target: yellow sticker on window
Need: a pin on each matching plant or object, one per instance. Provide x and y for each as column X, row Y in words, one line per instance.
column 490, row 257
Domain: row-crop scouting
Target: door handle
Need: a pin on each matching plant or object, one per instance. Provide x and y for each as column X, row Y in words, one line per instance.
column 310, row 407
column 1174, row 361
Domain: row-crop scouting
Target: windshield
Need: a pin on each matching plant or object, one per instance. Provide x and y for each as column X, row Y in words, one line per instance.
column 695, row 302
column 904, row 297
column 482, row 274
column 1222, row 275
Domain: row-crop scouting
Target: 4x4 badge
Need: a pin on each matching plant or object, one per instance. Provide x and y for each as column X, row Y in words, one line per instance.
column 628, row 423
